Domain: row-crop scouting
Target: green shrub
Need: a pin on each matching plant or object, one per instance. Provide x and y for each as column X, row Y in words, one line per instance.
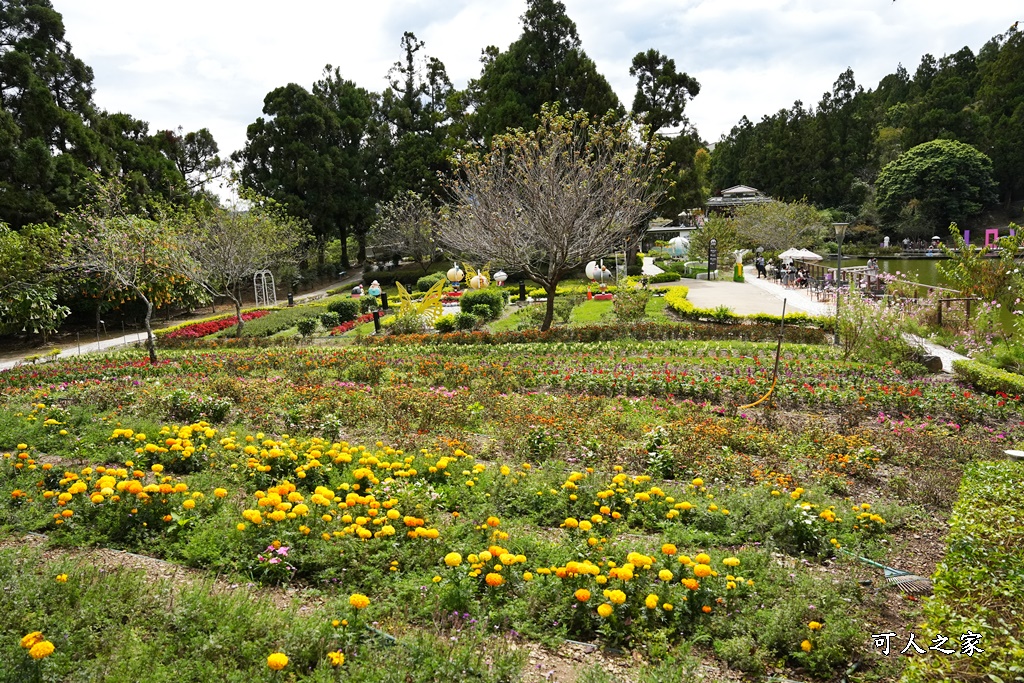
column 428, row 281
column 368, row 303
column 446, row 323
column 405, row 324
column 347, row 309
column 631, row 305
column 988, row 379
column 491, row 297
column 676, row 299
column 330, row 320
column 308, row 326
column 465, row 321
column 667, row 276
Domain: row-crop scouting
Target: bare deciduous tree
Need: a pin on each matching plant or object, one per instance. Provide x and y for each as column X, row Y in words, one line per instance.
column 404, row 227
column 546, row 201
column 230, row 245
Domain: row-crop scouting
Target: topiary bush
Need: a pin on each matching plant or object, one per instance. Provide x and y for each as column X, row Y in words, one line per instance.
column 347, row 309
column 493, row 298
column 465, row 321
column 330, row 320
column 428, row 281
column 307, row 326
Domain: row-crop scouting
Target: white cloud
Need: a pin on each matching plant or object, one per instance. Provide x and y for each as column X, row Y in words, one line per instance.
column 210, row 63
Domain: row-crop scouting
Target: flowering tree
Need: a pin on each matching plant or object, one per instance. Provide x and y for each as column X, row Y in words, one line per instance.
column 126, row 252
column 548, row 200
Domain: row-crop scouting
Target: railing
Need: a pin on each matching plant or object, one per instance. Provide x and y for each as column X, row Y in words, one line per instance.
column 967, row 301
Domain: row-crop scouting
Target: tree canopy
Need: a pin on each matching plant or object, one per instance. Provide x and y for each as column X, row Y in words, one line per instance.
column 546, row 200
column 935, row 183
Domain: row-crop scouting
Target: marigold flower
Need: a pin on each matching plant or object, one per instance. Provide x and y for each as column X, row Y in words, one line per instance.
column 692, row 584
column 731, row 562
column 582, row 595
column 358, row 600
column 698, row 482
column 31, row 639
column 706, row 609
column 616, row 596
column 277, row 661
column 814, row 626
column 668, row 549
column 494, row 580
column 41, row 650
column 62, row 578
column 189, row 504
column 665, row 575
column 702, row 558
column 453, row 559
column 605, row 610
column 702, row 571
column 806, row 646
column 337, row 658
column 493, row 521
column 651, row 601
column 220, row 493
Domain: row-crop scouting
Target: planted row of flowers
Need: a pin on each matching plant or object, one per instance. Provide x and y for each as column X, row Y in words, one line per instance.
column 204, row 328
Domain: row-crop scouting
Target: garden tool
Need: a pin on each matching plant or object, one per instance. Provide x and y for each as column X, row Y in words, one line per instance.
column 905, row 581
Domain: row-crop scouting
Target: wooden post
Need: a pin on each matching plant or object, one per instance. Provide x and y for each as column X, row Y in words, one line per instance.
column 940, row 312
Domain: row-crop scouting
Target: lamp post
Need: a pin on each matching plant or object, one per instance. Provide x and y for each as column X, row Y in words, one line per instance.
column 840, row 229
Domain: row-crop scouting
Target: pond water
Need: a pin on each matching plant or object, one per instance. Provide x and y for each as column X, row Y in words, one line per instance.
column 924, row 271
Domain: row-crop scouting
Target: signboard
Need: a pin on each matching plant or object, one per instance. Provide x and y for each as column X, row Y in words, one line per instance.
column 712, row 257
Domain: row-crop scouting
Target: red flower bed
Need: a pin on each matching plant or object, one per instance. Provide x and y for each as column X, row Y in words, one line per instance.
column 210, row 326
column 345, row 327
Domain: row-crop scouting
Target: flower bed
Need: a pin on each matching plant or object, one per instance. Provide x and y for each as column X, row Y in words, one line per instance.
column 201, row 328
column 352, row 324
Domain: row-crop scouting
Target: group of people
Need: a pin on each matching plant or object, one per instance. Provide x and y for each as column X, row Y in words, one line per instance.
column 793, row 276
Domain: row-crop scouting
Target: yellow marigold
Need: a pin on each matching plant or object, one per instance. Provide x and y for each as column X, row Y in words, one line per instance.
column 277, row 661
column 617, row 597
column 668, row 549
column 453, row 559
column 698, row 482
column 702, row 558
column 337, row 658
column 62, row 578
column 605, row 610
column 41, row 650
column 814, row 626
column 585, row 525
column 665, row 575
column 493, row 521
column 527, row 576
column 220, row 493
column 31, row 639
column 358, row 600
column 494, row 580
column 651, row 601
column 731, row 562
column 582, row 594
column 692, row 584
column 806, row 646
column 157, row 468
column 189, row 504
column 702, row 571
column 485, row 556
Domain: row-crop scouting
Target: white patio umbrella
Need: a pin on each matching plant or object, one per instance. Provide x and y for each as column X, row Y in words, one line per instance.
column 807, row 255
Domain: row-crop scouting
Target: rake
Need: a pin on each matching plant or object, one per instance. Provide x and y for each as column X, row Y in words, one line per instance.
column 905, row 581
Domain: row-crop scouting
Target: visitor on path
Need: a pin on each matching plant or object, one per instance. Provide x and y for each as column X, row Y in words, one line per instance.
column 761, row 270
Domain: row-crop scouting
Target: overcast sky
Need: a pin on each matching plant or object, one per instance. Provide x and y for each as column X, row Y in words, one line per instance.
column 209, row 63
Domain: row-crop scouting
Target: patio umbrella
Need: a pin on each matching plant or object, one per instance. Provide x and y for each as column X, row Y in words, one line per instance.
column 790, row 254
column 807, row 255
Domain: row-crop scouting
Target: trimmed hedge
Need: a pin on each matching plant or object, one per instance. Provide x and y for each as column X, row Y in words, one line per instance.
column 279, row 320
column 988, row 379
column 427, row 281
column 979, row 586
column 677, row 301
column 643, row 331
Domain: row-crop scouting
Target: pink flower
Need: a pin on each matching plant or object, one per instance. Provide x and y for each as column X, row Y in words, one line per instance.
column 275, row 560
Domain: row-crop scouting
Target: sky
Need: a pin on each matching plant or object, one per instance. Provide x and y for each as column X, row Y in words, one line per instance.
column 209, row 64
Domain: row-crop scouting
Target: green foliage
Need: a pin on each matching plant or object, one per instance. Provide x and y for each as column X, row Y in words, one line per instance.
column 661, row 91
column 278, row 320
column 404, row 227
column 942, row 182
column 546, row 64
column 307, row 326
column 872, row 330
column 776, row 225
column 465, row 321
column 28, row 288
column 427, row 281
column 971, row 269
column 446, row 323
column 988, row 379
column 671, row 275
column 979, row 587
column 346, row 308
column 630, row 305
column 716, row 227
column 493, row 298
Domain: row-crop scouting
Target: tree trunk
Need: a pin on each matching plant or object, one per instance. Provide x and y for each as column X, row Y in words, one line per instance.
column 549, row 313
column 344, row 251
column 238, row 314
column 361, row 240
column 150, row 342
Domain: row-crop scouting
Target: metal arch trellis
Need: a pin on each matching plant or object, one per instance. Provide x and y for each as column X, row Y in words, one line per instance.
column 265, row 288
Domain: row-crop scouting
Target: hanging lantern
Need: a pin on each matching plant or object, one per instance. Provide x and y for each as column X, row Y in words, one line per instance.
column 478, row 282
column 500, row 277
column 455, row 274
